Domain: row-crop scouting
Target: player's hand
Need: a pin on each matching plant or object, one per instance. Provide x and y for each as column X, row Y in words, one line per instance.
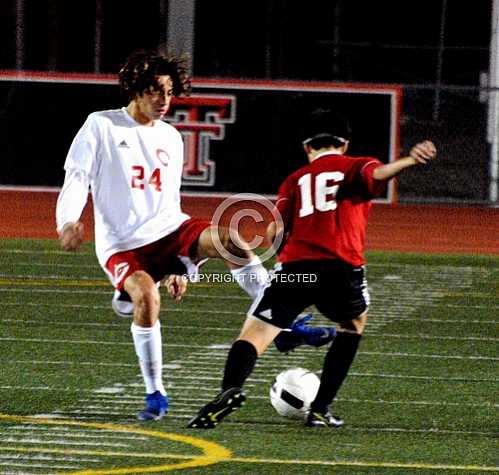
column 176, row 286
column 423, row 152
column 71, row 236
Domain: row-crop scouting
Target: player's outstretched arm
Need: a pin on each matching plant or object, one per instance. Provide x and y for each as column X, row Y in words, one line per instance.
column 420, row 154
column 71, row 236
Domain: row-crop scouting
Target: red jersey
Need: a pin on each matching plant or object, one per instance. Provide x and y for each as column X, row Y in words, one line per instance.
column 324, row 206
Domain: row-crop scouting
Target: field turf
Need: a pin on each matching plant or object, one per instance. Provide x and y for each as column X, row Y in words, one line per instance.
column 421, row 397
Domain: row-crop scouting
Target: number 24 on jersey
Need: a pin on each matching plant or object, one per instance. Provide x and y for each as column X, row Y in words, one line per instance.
column 139, row 179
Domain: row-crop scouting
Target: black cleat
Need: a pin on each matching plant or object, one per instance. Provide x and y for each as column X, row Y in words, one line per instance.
column 223, row 404
column 322, row 419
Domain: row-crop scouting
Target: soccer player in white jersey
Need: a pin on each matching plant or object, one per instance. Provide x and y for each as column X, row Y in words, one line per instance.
column 132, row 162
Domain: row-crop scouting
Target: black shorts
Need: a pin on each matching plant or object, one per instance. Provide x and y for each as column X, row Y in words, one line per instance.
column 337, row 289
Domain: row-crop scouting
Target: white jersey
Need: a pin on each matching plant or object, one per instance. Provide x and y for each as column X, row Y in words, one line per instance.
column 134, row 173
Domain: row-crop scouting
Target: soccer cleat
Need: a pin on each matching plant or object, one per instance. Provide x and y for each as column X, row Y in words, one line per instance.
column 322, row 419
column 223, row 404
column 156, row 407
column 299, row 334
column 122, row 304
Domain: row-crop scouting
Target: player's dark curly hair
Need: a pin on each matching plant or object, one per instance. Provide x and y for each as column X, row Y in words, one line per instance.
column 142, row 68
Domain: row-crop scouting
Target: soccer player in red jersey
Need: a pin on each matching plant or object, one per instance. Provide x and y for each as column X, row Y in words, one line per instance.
column 324, row 208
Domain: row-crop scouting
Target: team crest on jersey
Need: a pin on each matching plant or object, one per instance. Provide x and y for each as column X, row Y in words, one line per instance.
column 201, row 119
column 162, row 156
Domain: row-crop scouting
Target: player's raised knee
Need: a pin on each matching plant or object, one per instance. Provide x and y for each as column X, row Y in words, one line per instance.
column 218, row 241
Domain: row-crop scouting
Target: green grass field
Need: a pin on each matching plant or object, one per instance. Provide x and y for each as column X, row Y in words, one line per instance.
column 421, row 396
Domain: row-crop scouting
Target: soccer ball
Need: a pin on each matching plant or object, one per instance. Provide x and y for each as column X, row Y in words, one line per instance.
column 293, row 391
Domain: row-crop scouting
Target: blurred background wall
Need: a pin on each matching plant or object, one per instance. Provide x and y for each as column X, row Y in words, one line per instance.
column 441, row 53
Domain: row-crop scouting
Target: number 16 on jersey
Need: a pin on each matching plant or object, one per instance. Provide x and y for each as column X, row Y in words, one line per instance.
column 324, row 192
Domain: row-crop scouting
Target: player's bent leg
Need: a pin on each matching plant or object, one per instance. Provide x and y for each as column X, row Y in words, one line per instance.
column 145, row 298
column 254, row 338
column 219, row 242
column 336, row 365
column 259, row 333
column 357, row 325
column 245, row 266
column 122, row 304
column 146, row 332
column 302, row 334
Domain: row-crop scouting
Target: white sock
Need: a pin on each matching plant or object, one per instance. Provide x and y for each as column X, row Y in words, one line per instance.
column 252, row 277
column 148, row 346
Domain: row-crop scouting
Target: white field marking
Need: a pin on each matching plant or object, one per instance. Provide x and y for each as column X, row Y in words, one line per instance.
column 115, row 399
column 112, row 390
column 435, row 291
column 59, row 291
column 179, row 386
column 107, row 307
column 377, row 353
column 79, row 435
column 430, row 430
column 79, row 281
column 374, row 307
column 35, row 427
column 88, row 290
column 140, row 401
column 433, row 431
column 107, row 406
column 17, row 473
column 74, row 363
column 47, row 252
column 68, row 342
column 115, row 326
column 370, row 464
column 77, row 412
column 431, row 356
column 90, row 414
column 422, row 269
column 41, row 388
column 56, row 277
column 424, row 378
column 75, row 434
column 38, row 465
column 90, row 342
column 436, row 337
column 222, row 347
column 402, row 403
column 55, row 264
column 381, row 317
column 47, row 458
column 418, row 403
column 235, row 328
column 265, row 371
column 442, row 320
column 63, row 442
column 194, row 295
column 410, row 272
